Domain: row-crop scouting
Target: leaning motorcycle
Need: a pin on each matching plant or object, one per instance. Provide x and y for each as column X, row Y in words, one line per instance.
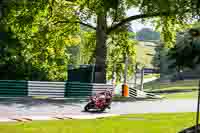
column 99, row 102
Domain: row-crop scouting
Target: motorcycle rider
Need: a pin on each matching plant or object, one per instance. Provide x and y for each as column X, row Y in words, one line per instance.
column 100, row 101
column 106, row 95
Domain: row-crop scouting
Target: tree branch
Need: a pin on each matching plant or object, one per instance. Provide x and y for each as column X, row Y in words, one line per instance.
column 75, row 22
column 135, row 17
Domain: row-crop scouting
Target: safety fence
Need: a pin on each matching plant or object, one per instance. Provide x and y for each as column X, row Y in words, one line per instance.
column 133, row 92
column 136, row 93
column 16, row 88
column 13, row 88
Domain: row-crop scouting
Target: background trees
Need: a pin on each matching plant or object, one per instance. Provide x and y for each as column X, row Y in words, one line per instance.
column 186, row 51
column 51, row 36
column 52, row 33
column 44, row 45
column 147, row 34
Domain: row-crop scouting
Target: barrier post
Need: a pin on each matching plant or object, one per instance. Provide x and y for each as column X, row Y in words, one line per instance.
column 125, row 90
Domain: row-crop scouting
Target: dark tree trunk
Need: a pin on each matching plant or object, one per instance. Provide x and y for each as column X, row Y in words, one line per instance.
column 101, row 49
column 180, row 77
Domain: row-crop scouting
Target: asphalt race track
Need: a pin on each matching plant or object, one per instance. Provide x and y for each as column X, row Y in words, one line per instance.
column 19, row 108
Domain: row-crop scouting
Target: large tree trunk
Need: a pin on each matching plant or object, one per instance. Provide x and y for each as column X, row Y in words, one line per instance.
column 101, row 49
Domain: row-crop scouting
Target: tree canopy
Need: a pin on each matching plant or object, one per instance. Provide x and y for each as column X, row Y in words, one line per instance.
column 186, row 51
column 50, row 30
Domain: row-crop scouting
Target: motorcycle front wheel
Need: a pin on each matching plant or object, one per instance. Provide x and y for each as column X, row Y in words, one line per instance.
column 88, row 106
column 102, row 109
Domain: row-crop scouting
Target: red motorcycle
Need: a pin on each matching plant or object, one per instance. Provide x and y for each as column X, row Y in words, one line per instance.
column 99, row 102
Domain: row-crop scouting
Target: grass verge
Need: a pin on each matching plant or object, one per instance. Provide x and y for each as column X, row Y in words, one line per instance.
column 151, row 76
column 184, row 95
column 177, row 88
column 186, row 84
column 140, row 123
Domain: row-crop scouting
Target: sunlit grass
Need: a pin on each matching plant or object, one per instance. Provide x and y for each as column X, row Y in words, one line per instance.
column 186, row 84
column 151, row 75
column 184, row 95
column 140, row 123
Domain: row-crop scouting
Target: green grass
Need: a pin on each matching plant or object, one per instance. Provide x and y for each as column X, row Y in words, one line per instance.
column 143, row 54
column 151, row 75
column 122, row 99
column 156, row 85
column 178, row 85
column 140, row 123
column 184, row 95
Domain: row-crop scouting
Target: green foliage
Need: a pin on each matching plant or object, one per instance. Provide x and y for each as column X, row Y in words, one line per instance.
column 156, row 57
column 49, row 30
column 180, row 13
column 196, row 25
column 114, row 10
column 131, row 35
column 168, row 31
column 117, row 40
column 51, row 39
column 184, row 9
column 119, row 46
column 186, row 51
column 12, row 63
column 168, row 27
column 47, row 45
column 144, row 54
column 87, row 47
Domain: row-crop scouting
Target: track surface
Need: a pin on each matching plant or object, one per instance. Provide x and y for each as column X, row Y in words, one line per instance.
column 16, row 108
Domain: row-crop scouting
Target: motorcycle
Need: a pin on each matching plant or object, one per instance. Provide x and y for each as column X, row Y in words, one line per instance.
column 99, row 102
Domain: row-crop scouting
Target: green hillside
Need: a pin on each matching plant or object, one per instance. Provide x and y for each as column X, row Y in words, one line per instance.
column 145, row 52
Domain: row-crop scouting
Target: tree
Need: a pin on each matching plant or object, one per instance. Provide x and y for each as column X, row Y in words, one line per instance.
column 185, row 54
column 156, row 57
column 187, row 10
column 114, row 10
column 13, row 65
column 120, row 46
column 168, row 27
column 147, row 34
column 46, row 46
column 84, row 11
column 87, row 47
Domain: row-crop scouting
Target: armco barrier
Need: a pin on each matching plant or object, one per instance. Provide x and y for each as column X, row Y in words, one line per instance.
column 97, row 88
column 76, row 89
column 14, row 88
column 47, row 89
column 132, row 92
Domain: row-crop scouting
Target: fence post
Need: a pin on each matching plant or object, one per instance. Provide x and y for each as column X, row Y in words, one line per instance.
column 93, row 73
column 114, row 75
column 126, row 69
column 135, row 80
column 142, row 79
column 125, row 90
column 197, row 113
